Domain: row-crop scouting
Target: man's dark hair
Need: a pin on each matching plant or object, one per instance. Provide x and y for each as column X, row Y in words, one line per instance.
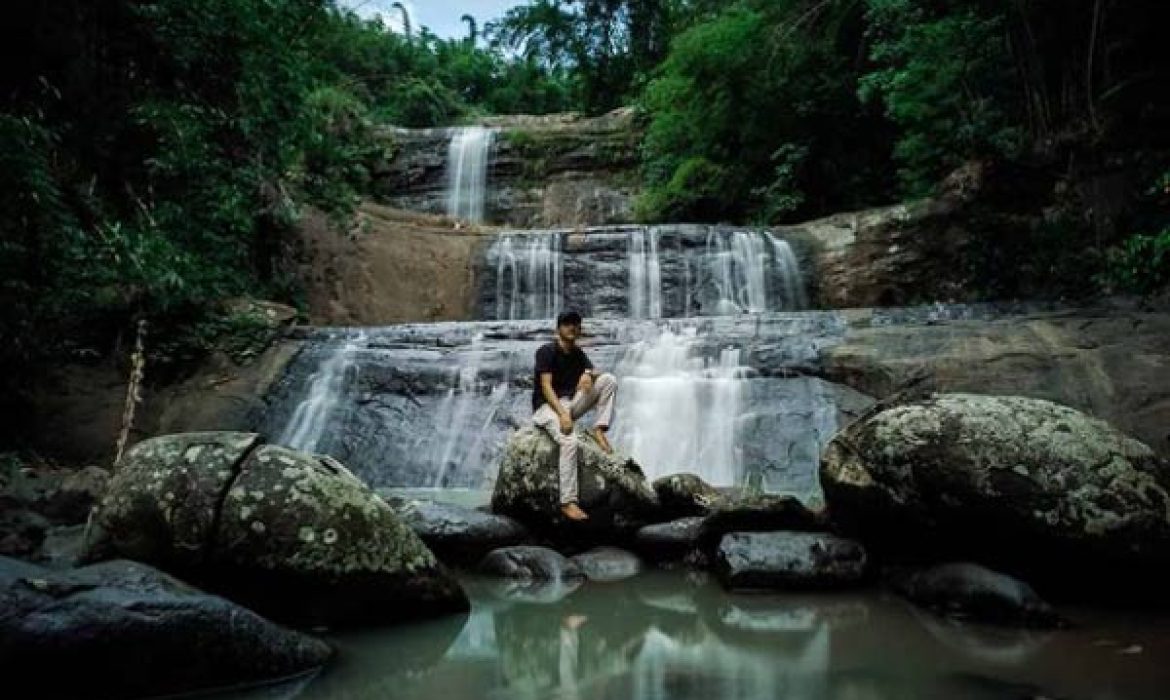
column 568, row 318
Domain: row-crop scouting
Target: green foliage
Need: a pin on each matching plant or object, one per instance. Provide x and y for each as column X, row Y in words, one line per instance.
column 1139, row 265
column 945, row 78
column 763, row 95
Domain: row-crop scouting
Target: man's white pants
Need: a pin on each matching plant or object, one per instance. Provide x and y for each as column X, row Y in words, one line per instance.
column 601, row 395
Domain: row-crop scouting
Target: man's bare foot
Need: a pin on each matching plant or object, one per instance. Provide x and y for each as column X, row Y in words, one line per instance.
column 602, row 442
column 573, row 512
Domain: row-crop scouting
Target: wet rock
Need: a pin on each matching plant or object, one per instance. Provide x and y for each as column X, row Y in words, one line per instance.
column 683, row 495
column 458, row 535
column 789, row 560
column 123, row 629
column 295, row 536
column 79, row 491
column 613, row 489
column 666, row 542
column 527, row 562
column 21, row 532
column 1021, row 484
column 758, row 513
column 974, row 592
column 607, row 564
column 62, row 547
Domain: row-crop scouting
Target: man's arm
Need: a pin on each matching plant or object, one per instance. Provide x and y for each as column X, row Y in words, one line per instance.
column 550, row 397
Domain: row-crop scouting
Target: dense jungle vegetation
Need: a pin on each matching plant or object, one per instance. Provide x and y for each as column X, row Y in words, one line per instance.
column 153, row 152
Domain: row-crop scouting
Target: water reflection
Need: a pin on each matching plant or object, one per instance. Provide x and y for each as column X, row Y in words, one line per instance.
column 672, row 636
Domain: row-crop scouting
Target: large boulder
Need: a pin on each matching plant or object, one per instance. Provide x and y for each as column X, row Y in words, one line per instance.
column 123, row 629
column 296, row 536
column 456, row 534
column 789, row 560
column 973, row 592
column 613, row 489
column 1022, row 484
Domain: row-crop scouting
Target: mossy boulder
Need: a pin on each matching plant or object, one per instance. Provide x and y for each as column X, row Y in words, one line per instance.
column 293, row 535
column 1018, row 483
column 612, row 488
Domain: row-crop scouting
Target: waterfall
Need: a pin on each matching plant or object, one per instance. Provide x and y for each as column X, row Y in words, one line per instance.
column 678, row 411
column 528, row 272
column 785, row 260
column 462, row 421
column 326, row 389
column 645, row 274
column 467, row 163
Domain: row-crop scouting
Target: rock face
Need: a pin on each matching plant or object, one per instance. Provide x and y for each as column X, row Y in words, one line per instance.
column 789, row 560
column 1020, row 483
column 974, row 592
column 612, row 488
column 1113, row 363
column 122, row 629
column 458, row 535
column 293, row 535
column 683, row 495
column 555, row 170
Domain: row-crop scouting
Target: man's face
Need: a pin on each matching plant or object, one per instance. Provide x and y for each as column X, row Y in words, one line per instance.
column 569, row 332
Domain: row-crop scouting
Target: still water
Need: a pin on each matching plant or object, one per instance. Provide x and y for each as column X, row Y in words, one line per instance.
column 674, row 635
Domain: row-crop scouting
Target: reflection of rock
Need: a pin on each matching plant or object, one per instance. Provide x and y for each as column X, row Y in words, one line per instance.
column 667, row 542
column 595, row 633
column 607, row 564
column 537, row 591
column 381, row 663
column 122, row 629
column 1005, row 646
column 974, row 592
column 458, row 535
column 1018, row 483
column 788, row 560
column 293, row 535
column 528, row 562
column 613, row 489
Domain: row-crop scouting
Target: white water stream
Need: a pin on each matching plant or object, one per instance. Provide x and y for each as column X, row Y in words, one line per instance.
column 467, row 163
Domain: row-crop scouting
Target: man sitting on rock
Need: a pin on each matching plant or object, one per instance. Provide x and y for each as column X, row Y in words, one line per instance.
column 566, row 387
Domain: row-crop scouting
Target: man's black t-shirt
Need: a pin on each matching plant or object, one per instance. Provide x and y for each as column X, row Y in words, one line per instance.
column 566, row 369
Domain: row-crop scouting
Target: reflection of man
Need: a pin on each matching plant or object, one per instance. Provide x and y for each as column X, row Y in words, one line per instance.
column 566, row 387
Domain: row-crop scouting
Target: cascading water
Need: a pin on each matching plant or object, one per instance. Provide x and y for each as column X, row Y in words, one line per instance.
column 528, row 275
column 645, row 282
column 327, row 388
column 467, row 164
column 639, row 272
column 679, row 410
column 461, row 423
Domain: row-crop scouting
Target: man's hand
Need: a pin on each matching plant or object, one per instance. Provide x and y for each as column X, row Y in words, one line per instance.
column 585, row 383
column 566, row 422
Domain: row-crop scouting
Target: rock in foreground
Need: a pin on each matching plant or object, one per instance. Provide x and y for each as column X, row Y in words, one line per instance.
column 1018, row 483
column 527, row 562
column 607, row 564
column 788, row 560
column 122, row 629
column 976, row 593
column 295, row 536
column 613, row 489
